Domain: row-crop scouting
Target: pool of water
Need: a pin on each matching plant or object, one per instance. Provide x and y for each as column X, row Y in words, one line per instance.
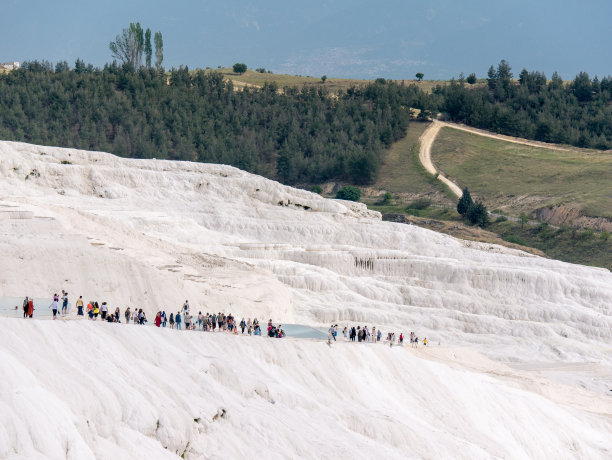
column 303, row 332
column 42, row 311
column 41, row 307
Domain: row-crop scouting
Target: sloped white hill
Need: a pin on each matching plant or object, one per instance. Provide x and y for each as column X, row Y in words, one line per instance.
column 150, row 234
column 81, row 390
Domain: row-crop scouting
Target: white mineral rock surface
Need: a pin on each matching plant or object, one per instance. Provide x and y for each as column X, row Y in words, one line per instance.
column 150, row 234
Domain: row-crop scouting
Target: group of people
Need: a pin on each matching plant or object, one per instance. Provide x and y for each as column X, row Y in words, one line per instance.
column 363, row 334
column 204, row 322
column 54, row 305
column 212, row 322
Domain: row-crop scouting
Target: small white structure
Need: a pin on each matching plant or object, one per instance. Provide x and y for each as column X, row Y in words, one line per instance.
column 9, row 65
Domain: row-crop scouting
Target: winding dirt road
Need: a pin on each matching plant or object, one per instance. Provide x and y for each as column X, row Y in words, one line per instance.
column 427, row 139
column 429, row 136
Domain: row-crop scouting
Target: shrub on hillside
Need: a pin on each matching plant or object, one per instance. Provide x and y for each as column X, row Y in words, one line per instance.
column 420, row 204
column 387, row 198
column 349, row 192
column 316, row 189
column 477, row 214
column 239, row 68
column 515, row 239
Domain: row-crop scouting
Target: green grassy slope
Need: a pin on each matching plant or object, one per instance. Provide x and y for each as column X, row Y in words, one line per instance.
column 520, row 178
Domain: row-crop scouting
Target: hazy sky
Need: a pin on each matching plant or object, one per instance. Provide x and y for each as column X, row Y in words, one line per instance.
column 338, row 38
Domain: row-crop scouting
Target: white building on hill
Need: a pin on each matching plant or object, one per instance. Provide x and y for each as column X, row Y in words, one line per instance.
column 9, row 65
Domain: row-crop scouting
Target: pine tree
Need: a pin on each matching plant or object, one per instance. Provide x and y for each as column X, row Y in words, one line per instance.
column 491, row 77
column 464, row 202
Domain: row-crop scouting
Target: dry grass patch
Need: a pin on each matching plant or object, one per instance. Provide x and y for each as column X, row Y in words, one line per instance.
column 257, row 79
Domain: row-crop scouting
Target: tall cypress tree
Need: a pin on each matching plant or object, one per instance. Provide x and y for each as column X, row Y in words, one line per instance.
column 464, row 202
column 148, row 50
column 159, row 50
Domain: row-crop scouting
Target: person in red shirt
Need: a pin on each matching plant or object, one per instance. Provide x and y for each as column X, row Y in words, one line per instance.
column 158, row 319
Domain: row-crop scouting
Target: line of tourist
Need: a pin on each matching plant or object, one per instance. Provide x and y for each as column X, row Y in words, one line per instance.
column 363, row 334
column 210, row 322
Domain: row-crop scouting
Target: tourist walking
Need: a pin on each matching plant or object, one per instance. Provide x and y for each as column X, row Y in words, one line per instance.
column 64, row 302
column 79, row 305
column 53, row 306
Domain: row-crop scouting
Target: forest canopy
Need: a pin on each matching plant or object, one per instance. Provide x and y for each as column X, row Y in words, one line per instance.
column 578, row 113
column 295, row 136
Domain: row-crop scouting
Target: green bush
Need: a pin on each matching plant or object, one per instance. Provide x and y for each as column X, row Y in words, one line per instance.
column 586, row 235
column 420, row 204
column 477, row 214
column 515, row 239
column 239, row 68
column 349, row 192
column 316, row 189
column 387, row 198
